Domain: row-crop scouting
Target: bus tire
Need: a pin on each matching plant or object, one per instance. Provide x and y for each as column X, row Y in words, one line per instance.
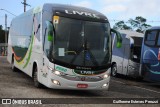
column 12, row 65
column 35, row 78
column 114, row 70
column 139, row 78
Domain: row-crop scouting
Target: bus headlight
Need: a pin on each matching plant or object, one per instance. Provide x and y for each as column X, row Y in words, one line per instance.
column 57, row 72
column 105, row 76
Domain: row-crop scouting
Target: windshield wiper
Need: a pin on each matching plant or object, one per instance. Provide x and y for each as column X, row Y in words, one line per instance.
column 86, row 50
column 75, row 57
column 93, row 59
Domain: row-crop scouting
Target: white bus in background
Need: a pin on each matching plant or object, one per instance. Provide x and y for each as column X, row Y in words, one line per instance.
column 63, row 47
column 126, row 60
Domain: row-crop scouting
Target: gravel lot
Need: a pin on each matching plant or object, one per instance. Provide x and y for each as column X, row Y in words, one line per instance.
column 19, row 85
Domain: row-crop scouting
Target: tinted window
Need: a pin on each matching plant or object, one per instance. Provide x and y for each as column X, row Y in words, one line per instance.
column 150, row 38
column 158, row 43
column 82, row 43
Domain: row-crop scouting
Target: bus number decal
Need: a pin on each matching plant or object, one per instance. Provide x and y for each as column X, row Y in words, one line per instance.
column 61, row 69
column 56, row 19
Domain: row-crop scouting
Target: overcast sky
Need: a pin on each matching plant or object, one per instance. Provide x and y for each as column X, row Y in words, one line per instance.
column 113, row 9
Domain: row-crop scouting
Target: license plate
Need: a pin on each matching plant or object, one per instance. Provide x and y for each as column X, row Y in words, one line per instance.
column 82, row 85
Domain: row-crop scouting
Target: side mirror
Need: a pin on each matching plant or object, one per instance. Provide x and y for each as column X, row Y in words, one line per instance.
column 119, row 38
column 50, row 34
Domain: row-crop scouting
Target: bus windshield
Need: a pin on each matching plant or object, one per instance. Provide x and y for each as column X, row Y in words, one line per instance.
column 81, row 43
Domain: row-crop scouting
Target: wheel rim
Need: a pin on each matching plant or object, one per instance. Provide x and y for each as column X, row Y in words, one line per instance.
column 114, row 71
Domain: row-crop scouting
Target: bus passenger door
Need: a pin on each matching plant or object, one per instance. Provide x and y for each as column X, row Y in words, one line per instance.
column 126, row 59
column 117, row 55
column 48, row 46
column 119, row 59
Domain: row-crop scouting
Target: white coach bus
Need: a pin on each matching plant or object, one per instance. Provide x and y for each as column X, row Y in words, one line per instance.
column 62, row 47
column 126, row 60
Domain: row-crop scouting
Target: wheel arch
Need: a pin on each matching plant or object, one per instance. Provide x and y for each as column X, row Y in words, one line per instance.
column 113, row 63
column 35, row 64
column 12, row 59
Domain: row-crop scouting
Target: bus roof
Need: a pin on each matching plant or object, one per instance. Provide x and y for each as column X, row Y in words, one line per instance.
column 75, row 12
column 154, row 27
column 70, row 11
column 131, row 33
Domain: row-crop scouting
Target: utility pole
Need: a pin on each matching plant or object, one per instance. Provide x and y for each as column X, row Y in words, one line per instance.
column 6, row 28
column 25, row 4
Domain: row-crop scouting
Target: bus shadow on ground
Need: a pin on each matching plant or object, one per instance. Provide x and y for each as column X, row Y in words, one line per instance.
column 135, row 81
column 77, row 93
column 65, row 92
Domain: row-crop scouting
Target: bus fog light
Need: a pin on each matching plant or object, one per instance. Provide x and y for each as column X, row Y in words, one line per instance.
column 55, row 82
column 104, row 85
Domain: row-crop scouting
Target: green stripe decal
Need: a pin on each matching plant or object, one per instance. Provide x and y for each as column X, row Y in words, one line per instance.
column 30, row 52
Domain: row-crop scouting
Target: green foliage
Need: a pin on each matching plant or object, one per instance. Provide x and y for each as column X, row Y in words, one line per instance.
column 1, row 27
column 138, row 24
column 121, row 25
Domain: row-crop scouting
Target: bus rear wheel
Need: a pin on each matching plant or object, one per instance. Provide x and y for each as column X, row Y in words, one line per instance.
column 35, row 78
column 13, row 67
column 114, row 70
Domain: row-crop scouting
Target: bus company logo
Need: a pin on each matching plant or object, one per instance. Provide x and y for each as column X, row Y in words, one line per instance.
column 82, row 13
column 87, row 72
column 6, row 101
column 83, row 78
column 61, row 69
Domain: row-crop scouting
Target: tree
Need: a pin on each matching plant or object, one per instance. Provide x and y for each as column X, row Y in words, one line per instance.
column 2, row 34
column 121, row 26
column 1, row 27
column 138, row 24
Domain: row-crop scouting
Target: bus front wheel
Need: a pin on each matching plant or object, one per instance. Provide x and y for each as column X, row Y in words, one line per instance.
column 114, row 70
column 35, row 78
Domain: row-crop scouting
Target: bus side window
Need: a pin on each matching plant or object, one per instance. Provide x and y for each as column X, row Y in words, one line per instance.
column 48, row 38
column 158, row 43
column 150, row 38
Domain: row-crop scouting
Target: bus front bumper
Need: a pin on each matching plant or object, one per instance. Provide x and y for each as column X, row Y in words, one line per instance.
column 57, row 82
